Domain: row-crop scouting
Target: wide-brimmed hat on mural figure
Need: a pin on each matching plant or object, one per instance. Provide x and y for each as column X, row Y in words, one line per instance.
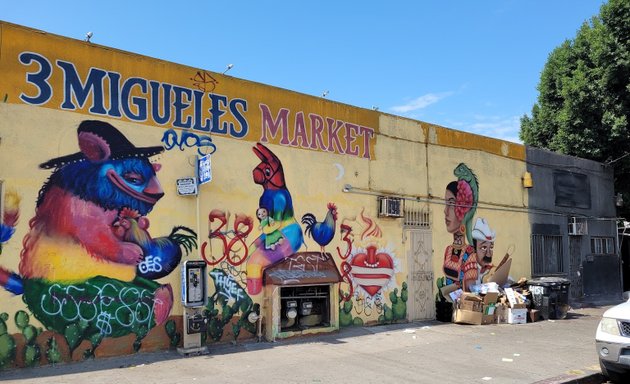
column 101, row 141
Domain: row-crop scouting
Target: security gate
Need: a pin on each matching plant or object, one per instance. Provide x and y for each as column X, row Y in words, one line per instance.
column 421, row 303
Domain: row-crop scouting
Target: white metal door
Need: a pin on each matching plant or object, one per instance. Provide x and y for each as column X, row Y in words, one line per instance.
column 421, row 303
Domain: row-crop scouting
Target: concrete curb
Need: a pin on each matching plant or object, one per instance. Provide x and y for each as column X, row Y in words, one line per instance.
column 589, row 378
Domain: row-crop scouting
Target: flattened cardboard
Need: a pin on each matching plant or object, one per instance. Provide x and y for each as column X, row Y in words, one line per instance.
column 500, row 275
column 490, row 298
column 447, row 290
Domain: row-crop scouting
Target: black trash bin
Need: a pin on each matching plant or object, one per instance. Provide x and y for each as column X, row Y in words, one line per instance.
column 550, row 295
column 443, row 311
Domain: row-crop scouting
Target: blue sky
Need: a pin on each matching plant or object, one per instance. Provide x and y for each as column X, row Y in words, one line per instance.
column 468, row 65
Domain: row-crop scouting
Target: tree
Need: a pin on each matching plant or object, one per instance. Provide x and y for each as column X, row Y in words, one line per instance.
column 583, row 106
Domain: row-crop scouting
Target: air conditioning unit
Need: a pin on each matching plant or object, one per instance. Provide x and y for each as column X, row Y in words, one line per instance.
column 577, row 226
column 390, row 206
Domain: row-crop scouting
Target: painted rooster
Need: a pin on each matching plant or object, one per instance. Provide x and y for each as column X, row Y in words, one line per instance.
column 322, row 232
column 276, row 201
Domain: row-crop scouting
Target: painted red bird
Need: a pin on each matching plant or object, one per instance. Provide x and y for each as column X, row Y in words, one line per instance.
column 322, row 232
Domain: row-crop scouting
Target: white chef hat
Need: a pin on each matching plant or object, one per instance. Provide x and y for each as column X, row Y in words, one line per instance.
column 481, row 230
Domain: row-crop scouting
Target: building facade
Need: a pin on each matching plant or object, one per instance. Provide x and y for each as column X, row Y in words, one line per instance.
column 311, row 215
column 573, row 224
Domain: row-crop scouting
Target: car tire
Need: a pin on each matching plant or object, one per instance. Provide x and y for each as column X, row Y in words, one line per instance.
column 615, row 377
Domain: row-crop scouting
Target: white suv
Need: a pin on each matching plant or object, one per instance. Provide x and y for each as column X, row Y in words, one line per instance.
column 613, row 343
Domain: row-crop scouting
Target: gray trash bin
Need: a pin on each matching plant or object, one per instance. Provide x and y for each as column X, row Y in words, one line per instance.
column 550, row 295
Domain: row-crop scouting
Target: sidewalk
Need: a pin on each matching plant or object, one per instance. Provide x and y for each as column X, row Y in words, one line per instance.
column 426, row 352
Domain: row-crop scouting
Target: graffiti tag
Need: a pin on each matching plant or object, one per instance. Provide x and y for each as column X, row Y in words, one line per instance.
column 126, row 307
column 234, row 246
column 203, row 81
column 150, row 264
column 226, row 286
column 188, row 139
column 306, row 262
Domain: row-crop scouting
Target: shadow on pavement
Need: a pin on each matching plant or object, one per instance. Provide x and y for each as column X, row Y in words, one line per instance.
column 148, row 358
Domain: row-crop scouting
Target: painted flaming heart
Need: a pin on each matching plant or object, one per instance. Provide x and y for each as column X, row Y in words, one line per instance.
column 372, row 269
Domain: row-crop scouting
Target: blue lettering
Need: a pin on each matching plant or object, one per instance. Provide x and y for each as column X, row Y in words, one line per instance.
column 238, row 115
column 114, row 94
column 180, row 105
column 198, row 118
column 156, row 102
column 217, row 112
column 39, row 79
column 74, row 86
column 169, row 139
column 139, row 102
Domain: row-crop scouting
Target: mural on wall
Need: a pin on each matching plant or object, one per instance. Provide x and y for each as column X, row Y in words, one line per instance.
column 483, row 242
column 368, row 268
column 322, row 232
column 461, row 196
column 10, row 217
column 228, row 300
column 233, row 242
column 468, row 261
column 367, row 263
column 281, row 234
column 88, row 267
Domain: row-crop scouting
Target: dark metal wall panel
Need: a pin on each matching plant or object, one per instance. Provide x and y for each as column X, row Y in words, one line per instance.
column 601, row 275
column 566, row 187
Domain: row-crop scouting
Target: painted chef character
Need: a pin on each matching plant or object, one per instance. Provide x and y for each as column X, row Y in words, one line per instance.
column 483, row 241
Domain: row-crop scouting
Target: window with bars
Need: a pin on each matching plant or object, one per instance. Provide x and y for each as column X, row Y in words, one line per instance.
column 416, row 216
column 602, row 245
column 547, row 255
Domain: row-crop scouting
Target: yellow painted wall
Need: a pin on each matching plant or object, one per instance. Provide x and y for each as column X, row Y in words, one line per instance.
column 374, row 153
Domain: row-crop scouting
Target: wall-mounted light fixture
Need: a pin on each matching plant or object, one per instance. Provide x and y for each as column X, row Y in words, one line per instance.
column 229, row 66
column 619, row 200
column 347, row 188
column 527, row 180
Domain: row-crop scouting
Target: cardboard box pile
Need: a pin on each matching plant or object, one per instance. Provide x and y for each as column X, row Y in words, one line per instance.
column 474, row 309
column 492, row 304
column 517, row 311
column 508, row 307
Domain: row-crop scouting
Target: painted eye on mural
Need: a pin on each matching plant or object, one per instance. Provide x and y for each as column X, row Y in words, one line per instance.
column 133, row 178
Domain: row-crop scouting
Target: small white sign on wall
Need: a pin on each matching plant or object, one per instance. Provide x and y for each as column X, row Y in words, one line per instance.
column 187, row 186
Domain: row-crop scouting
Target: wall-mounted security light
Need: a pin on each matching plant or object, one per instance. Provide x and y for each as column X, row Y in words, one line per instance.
column 229, row 66
column 527, row 180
